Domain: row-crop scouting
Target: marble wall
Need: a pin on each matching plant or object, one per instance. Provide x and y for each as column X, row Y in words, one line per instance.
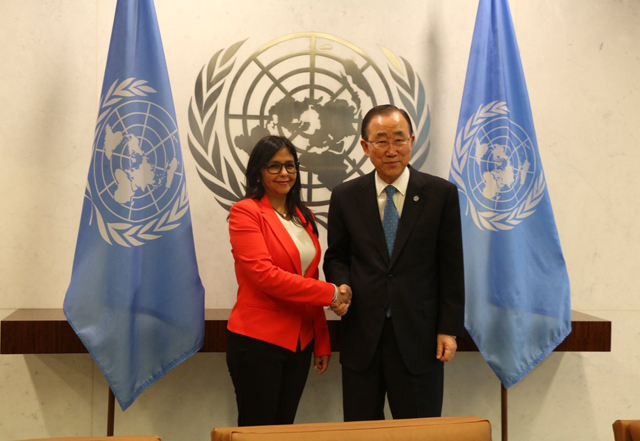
column 582, row 64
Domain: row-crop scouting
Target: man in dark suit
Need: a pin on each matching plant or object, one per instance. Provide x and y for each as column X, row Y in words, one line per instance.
column 400, row 250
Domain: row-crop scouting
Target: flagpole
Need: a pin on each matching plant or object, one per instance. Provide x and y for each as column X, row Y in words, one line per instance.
column 111, row 413
column 503, row 406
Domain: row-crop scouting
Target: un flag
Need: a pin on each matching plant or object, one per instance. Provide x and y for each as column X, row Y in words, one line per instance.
column 518, row 301
column 135, row 298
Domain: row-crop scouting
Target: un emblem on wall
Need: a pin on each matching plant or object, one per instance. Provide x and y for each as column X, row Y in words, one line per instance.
column 311, row 88
column 136, row 184
column 495, row 167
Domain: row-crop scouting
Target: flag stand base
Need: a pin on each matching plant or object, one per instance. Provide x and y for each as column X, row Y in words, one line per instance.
column 503, row 408
column 111, row 413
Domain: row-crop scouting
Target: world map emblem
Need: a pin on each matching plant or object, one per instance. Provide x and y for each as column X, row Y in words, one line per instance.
column 136, row 183
column 312, row 88
column 495, row 166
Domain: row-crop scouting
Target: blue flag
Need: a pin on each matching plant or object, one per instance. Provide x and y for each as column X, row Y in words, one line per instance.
column 518, row 303
column 135, row 298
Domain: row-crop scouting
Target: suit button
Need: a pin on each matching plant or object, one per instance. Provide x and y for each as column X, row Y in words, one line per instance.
column 390, row 276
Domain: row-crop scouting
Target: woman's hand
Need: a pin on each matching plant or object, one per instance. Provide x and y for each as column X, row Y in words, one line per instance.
column 321, row 363
column 341, row 307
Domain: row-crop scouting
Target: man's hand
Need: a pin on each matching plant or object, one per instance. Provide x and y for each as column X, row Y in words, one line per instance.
column 321, row 363
column 447, row 347
column 341, row 307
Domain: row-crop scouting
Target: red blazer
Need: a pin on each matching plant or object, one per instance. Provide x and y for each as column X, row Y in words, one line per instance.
column 275, row 303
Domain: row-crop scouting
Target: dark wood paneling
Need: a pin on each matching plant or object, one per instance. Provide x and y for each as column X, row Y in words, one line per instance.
column 588, row 334
column 38, row 331
column 46, row 331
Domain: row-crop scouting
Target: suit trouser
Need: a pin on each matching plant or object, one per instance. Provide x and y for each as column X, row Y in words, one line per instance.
column 410, row 396
column 267, row 378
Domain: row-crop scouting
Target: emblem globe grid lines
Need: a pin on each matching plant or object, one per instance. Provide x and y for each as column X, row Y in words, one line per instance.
column 515, row 152
column 172, row 203
column 154, row 132
column 317, row 82
column 527, row 177
column 311, row 71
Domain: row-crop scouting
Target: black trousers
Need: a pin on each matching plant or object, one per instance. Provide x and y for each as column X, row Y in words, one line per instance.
column 410, row 396
column 268, row 379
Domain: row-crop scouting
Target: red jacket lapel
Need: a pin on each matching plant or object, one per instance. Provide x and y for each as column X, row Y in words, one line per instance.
column 280, row 232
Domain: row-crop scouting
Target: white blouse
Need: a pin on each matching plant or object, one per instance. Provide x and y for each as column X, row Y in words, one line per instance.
column 303, row 242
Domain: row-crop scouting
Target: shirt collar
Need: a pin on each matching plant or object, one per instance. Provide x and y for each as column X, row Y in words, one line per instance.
column 400, row 184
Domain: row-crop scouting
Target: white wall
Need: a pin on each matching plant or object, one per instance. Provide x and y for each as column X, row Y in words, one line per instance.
column 582, row 64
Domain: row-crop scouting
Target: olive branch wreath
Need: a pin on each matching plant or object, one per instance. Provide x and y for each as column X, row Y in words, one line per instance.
column 412, row 94
column 203, row 140
column 122, row 233
column 127, row 88
column 490, row 220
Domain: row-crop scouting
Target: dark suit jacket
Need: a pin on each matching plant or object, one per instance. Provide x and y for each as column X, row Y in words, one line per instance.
column 423, row 281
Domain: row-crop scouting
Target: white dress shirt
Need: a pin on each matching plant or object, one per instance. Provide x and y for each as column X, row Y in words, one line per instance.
column 398, row 198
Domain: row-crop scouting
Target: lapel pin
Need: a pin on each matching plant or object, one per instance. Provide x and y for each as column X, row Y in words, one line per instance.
column 416, row 198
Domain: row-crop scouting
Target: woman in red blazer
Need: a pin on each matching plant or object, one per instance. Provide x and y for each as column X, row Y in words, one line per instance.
column 278, row 318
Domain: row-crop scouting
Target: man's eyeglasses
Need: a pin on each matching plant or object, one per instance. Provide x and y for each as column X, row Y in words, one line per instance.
column 273, row 168
column 383, row 145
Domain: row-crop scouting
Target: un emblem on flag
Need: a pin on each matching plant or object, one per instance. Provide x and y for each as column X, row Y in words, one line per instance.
column 495, row 166
column 136, row 182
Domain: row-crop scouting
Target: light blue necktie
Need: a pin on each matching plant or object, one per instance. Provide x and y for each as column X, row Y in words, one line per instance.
column 390, row 224
column 390, row 219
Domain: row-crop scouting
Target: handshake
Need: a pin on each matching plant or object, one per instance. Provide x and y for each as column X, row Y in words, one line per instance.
column 341, row 305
